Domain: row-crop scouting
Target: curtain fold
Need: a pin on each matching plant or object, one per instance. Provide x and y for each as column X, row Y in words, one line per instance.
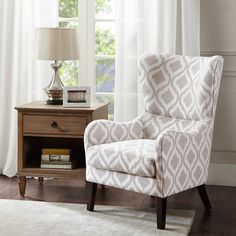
column 162, row 26
column 22, row 77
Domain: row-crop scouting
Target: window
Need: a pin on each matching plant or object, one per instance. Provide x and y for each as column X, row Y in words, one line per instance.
column 96, row 67
column 68, row 12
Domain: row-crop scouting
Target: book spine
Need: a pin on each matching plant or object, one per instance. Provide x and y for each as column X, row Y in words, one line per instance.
column 57, row 162
column 52, row 166
column 53, row 157
column 48, row 151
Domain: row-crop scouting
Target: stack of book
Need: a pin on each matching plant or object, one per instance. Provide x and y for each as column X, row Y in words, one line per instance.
column 56, row 158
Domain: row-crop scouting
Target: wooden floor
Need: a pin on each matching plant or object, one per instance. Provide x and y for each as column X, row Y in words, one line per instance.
column 221, row 220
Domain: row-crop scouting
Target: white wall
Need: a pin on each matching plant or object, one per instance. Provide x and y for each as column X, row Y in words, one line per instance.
column 218, row 36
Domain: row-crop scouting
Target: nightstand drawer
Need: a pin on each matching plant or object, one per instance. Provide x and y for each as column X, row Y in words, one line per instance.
column 59, row 125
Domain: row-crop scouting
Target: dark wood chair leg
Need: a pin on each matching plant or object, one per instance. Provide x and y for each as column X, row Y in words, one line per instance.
column 91, row 195
column 161, row 212
column 40, row 179
column 204, row 197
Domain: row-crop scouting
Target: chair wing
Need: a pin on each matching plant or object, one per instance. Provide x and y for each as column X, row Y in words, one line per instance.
column 180, row 86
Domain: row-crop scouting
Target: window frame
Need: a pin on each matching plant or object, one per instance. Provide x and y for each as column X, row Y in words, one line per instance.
column 87, row 63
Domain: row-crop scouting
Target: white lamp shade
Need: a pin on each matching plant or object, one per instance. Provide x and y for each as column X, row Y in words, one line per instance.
column 57, row 44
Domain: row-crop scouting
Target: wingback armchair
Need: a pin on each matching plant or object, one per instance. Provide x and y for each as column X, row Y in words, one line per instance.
column 167, row 148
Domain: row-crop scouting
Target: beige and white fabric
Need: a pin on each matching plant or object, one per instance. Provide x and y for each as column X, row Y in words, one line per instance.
column 167, row 148
column 136, row 157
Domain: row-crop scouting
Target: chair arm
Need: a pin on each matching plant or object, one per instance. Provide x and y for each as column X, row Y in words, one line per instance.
column 183, row 157
column 105, row 131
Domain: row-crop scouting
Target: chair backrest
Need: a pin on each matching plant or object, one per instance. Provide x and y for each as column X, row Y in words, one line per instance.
column 180, row 86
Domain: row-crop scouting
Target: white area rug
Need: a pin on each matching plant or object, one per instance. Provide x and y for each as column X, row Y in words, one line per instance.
column 31, row 218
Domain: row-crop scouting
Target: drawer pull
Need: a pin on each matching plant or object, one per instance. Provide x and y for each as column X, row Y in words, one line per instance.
column 54, row 124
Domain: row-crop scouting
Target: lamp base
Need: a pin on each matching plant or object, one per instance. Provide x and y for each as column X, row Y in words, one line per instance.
column 55, row 88
column 54, row 102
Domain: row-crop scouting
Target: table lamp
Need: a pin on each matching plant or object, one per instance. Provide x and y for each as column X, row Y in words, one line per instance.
column 57, row 44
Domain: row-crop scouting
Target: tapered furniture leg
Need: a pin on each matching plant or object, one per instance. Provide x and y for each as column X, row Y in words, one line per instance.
column 22, row 185
column 161, row 212
column 40, row 180
column 204, row 197
column 91, row 195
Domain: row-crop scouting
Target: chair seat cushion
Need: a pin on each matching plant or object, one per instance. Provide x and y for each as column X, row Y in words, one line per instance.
column 135, row 157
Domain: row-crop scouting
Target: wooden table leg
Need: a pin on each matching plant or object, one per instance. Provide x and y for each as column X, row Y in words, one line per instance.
column 40, row 180
column 22, row 185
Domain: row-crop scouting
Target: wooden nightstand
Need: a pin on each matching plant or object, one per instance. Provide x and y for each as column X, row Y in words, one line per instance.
column 52, row 126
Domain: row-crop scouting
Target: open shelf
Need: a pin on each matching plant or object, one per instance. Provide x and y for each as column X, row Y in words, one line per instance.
column 33, row 148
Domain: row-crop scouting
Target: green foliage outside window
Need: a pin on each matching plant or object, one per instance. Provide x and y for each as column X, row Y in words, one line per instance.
column 102, row 6
column 70, row 24
column 105, row 45
column 68, row 8
column 105, row 42
column 69, row 72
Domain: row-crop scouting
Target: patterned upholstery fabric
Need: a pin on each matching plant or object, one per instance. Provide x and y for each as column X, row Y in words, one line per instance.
column 150, row 186
column 178, row 86
column 105, row 131
column 154, row 125
column 184, row 158
column 135, row 157
column 167, row 148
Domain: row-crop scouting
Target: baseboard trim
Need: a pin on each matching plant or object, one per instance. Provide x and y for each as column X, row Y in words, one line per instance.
column 222, row 174
column 212, row 52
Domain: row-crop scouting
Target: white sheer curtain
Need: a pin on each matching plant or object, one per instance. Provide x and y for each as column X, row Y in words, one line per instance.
column 162, row 26
column 21, row 76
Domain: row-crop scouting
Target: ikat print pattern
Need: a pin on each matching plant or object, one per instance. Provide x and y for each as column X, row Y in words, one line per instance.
column 178, row 86
column 135, row 157
column 105, row 131
column 154, row 125
column 184, row 158
column 167, row 148
column 150, row 186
